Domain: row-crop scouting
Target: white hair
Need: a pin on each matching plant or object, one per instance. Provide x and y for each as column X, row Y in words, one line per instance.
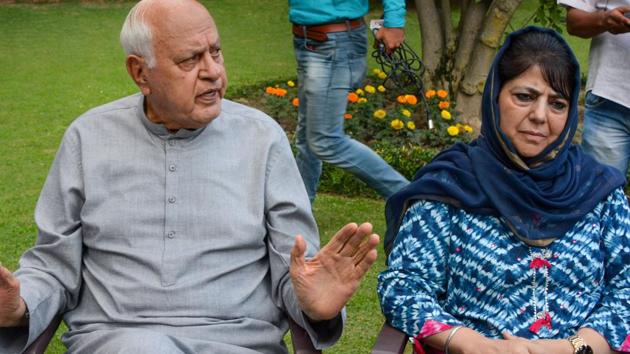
column 136, row 37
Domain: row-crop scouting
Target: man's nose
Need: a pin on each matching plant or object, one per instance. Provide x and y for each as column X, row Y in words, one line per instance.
column 210, row 68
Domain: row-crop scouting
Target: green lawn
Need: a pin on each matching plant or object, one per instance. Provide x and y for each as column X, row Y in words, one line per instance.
column 58, row 60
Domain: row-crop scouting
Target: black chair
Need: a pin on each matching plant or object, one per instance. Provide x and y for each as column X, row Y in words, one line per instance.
column 299, row 338
column 390, row 341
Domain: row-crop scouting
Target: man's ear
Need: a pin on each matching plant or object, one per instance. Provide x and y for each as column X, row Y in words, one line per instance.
column 137, row 69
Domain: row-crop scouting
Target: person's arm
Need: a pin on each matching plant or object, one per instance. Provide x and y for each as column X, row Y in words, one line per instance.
column 608, row 326
column 289, row 214
column 49, row 278
column 392, row 34
column 590, row 24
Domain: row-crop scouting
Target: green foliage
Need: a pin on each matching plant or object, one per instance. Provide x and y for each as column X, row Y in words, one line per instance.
column 550, row 14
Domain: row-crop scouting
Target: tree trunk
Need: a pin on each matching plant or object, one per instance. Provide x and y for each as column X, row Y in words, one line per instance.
column 432, row 38
column 469, row 28
column 471, row 87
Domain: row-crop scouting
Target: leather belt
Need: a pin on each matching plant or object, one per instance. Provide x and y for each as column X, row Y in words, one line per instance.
column 318, row 32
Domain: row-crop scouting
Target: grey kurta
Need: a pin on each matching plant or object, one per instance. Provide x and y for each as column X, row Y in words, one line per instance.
column 185, row 234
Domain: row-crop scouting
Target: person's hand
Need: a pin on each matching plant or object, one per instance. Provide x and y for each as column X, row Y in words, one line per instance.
column 615, row 21
column 472, row 342
column 324, row 283
column 12, row 306
column 392, row 38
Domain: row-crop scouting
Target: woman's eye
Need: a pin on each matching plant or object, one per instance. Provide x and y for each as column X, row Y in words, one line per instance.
column 524, row 97
column 558, row 105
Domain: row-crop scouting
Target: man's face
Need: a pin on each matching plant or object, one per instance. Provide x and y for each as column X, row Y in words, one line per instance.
column 185, row 87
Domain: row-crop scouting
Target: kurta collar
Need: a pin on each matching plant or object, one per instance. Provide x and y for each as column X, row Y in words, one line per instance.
column 159, row 129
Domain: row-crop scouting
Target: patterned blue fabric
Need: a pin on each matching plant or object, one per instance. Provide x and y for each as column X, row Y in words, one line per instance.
column 540, row 198
column 461, row 268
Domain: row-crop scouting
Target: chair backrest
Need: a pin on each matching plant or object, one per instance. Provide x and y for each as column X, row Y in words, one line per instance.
column 390, row 341
column 301, row 341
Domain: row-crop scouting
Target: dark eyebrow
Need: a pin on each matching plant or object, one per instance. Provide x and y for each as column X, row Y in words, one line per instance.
column 532, row 90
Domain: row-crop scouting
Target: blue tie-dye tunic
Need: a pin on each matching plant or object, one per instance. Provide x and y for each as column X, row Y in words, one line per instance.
column 452, row 267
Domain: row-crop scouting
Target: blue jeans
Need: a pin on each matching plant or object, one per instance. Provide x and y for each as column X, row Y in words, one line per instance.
column 327, row 71
column 606, row 134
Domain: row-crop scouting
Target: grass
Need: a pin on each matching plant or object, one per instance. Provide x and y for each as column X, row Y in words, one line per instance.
column 58, row 60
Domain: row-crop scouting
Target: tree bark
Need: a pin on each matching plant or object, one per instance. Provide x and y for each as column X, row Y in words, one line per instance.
column 469, row 28
column 432, row 37
column 471, row 88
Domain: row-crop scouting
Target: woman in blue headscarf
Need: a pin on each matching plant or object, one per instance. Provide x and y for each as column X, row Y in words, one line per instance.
column 517, row 242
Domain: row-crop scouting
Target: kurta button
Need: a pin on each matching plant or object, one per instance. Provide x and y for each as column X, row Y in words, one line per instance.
column 171, row 200
column 171, row 234
column 172, row 168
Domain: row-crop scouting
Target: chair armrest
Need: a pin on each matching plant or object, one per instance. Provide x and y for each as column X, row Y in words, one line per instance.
column 39, row 345
column 301, row 341
column 390, row 341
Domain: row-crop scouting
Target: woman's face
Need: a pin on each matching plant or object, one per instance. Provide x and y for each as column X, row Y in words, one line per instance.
column 532, row 114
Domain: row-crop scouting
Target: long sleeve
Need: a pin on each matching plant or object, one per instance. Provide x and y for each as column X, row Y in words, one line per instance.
column 415, row 280
column 50, row 272
column 394, row 12
column 288, row 214
column 611, row 316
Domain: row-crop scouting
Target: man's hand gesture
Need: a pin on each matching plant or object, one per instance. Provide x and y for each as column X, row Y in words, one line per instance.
column 325, row 283
column 12, row 306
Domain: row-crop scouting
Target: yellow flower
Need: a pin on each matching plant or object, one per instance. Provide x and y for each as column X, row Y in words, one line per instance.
column 290, row 83
column 406, row 113
column 382, row 75
column 452, row 130
column 411, row 125
column 362, row 100
column 468, row 128
column 376, row 71
column 359, row 92
column 397, row 124
column 429, row 94
column 380, row 114
column 442, row 93
column 444, row 104
column 445, row 114
column 370, row 89
column 381, row 88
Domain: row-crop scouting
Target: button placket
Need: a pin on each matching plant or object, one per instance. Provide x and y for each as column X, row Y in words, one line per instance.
column 171, row 234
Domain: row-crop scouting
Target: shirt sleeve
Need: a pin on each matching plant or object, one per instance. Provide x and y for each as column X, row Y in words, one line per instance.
column 588, row 6
column 50, row 272
column 411, row 288
column 611, row 316
column 288, row 213
column 394, row 12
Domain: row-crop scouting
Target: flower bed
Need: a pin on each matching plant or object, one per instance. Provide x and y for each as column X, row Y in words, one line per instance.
column 394, row 124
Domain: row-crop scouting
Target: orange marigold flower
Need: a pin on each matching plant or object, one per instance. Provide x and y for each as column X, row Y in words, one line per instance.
column 429, row 94
column 281, row 92
column 295, row 102
column 270, row 90
column 411, row 99
column 444, row 104
column 442, row 93
column 401, row 99
column 353, row 97
column 347, row 116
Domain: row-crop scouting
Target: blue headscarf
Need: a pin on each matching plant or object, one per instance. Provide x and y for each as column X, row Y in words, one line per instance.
column 539, row 198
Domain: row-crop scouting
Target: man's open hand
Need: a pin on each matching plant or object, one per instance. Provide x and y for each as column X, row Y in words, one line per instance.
column 12, row 306
column 324, row 283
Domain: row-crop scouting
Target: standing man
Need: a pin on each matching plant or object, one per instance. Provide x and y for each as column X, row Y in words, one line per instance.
column 168, row 222
column 607, row 116
column 330, row 41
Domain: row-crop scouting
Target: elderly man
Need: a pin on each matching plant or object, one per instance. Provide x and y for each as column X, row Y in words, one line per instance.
column 168, row 221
